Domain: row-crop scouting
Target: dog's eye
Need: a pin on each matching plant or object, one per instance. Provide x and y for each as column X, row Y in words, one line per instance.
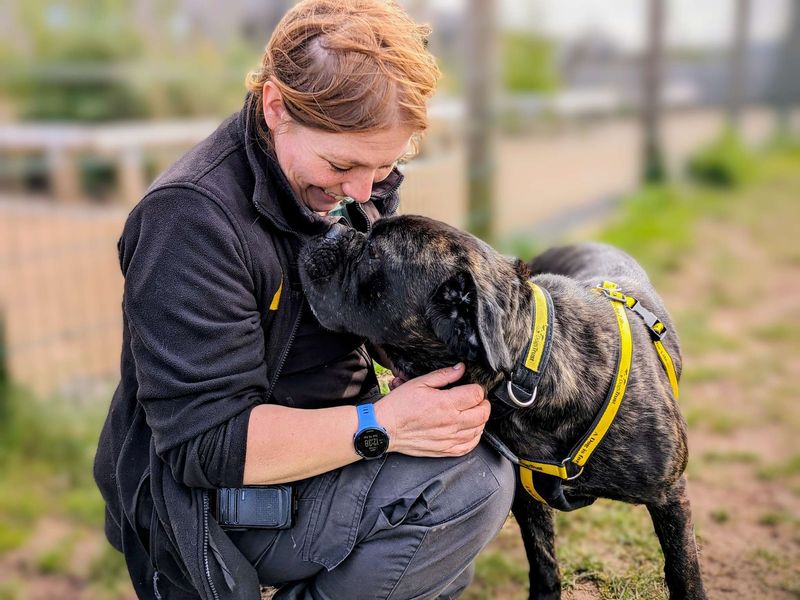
column 372, row 252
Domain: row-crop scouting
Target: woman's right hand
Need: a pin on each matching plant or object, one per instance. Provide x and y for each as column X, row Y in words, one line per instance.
column 424, row 420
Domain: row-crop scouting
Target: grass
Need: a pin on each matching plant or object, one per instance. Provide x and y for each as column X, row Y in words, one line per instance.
column 656, row 226
column 498, row 574
column 13, row 536
column 736, row 456
column 55, row 560
column 612, row 545
column 715, row 419
column 46, row 454
column 46, row 448
column 778, row 333
column 384, row 376
column 774, row 518
column 704, row 374
column 12, row 589
column 108, row 573
column 720, row 515
column 788, row 468
column 698, row 337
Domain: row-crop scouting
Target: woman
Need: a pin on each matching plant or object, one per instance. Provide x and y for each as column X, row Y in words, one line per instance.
column 227, row 378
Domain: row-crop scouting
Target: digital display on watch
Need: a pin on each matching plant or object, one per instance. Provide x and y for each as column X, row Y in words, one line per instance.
column 371, row 443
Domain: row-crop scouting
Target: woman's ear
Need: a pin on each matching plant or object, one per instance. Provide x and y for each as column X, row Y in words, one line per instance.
column 272, row 104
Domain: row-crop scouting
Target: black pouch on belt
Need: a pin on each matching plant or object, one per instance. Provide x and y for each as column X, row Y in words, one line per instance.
column 255, row 507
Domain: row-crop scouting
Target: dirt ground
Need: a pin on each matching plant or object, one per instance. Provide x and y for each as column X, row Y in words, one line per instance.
column 736, row 299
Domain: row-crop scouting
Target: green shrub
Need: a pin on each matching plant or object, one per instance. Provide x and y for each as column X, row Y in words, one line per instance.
column 87, row 61
column 75, row 67
column 656, row 225
column 12, row 536
column 726, row 162
column 528, row 63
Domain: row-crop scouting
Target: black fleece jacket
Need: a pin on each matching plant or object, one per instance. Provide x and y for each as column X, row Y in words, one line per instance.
column 211, row 302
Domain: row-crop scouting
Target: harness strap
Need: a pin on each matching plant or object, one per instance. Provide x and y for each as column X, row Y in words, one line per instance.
column 543, row 479
column 655, row 326
column 584, row 448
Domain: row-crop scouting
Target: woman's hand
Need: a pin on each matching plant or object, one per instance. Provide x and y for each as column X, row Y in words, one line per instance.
column 423, row 420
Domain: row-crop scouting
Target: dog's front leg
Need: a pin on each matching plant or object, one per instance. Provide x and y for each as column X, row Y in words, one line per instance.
column 672, row 521
column 536, row 524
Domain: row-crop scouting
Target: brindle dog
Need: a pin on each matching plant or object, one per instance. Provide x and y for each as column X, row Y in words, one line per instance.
column 430, row 295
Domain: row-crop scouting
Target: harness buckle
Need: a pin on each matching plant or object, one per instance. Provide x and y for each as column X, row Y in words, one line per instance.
column 515, row 400
column 565, row 463
column 656, row 327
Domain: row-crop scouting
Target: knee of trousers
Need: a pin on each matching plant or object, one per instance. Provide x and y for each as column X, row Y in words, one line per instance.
column 475, row 499
column 462, row 519
column 492, row 513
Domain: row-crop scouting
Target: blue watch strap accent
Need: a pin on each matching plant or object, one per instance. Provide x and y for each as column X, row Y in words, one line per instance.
column 366, row 417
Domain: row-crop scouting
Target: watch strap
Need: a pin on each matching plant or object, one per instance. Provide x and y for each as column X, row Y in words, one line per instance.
column 366, row 417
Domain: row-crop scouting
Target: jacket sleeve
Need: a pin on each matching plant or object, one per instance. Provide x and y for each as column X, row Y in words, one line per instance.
column 196, row 334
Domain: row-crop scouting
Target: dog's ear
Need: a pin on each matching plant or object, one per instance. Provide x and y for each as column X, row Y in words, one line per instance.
column 468, row 320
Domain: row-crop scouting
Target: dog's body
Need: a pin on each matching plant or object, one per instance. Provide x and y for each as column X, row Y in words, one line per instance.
column 430, row 295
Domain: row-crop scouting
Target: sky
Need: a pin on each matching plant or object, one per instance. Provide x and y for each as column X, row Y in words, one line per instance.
column 692, row 23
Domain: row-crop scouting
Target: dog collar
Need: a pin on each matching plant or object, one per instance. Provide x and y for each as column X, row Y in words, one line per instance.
column 519, row 390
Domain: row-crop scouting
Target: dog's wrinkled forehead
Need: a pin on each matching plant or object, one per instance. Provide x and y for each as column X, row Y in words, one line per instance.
column 420, row 240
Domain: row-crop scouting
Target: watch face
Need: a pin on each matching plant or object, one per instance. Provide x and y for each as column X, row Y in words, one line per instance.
column 372, row 443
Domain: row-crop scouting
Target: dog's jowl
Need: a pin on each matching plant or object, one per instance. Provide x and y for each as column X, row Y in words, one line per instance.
column 576, row 350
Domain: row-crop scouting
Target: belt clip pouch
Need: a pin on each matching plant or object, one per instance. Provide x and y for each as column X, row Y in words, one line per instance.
column 255, row 507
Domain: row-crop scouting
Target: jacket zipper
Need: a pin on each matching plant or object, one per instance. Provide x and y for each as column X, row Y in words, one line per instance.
column 295, row 327
column 205, row 546
column 366, row 218
column 272, row 385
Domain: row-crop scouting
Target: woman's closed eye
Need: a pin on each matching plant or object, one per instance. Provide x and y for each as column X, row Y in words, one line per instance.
column 339, row 169
column 380, row 174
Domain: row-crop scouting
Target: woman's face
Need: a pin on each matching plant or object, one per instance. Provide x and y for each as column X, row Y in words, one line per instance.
column 322, row 167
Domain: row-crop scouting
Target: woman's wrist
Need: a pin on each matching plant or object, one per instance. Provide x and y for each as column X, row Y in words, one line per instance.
column 387, row 419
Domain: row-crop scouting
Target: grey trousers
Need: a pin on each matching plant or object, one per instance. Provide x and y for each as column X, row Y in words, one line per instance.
column 396, row 528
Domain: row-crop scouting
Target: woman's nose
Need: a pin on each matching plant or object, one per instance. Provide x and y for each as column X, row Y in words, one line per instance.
column 359, row 186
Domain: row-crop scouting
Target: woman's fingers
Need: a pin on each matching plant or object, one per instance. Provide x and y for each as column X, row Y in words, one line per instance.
column 441, row 377
column 424, row 420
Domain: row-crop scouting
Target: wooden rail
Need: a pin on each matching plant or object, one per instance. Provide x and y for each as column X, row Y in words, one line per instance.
column 126, row 144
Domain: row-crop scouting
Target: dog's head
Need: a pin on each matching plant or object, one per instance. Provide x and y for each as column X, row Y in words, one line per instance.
column 428, row 294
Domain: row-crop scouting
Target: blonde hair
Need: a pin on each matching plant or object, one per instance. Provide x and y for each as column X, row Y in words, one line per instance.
column 348, row 65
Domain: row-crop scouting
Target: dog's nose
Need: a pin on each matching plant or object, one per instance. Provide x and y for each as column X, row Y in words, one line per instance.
column 335, row 231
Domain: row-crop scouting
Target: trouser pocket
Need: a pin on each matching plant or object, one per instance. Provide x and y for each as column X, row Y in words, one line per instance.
column 441, row 490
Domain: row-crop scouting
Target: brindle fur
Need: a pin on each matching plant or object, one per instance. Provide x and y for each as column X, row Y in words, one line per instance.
column 430, row 295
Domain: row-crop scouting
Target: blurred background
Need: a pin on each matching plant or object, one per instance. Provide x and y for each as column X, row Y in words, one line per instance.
column 668, row 127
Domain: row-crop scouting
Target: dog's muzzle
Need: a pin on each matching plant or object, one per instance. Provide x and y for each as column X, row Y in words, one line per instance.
column 323, row 254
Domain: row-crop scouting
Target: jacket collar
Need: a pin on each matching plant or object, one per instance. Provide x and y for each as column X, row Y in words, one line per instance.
column 274, row 198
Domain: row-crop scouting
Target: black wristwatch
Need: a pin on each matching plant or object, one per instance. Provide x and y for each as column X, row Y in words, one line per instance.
column 371, row 440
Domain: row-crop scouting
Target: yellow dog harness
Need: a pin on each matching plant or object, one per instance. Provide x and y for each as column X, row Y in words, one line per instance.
column 543, row 479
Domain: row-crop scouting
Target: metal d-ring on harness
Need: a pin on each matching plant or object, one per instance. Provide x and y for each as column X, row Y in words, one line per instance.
column 543, row 479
